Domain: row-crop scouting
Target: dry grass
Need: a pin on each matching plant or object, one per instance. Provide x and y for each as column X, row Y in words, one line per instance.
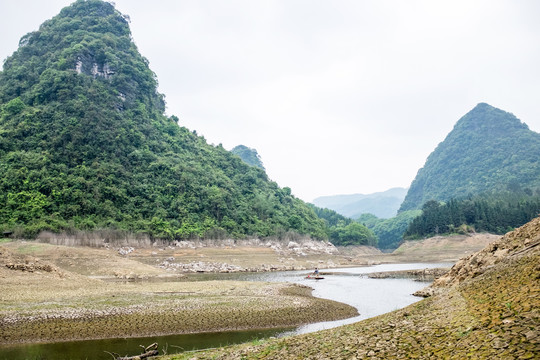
column 441, row 248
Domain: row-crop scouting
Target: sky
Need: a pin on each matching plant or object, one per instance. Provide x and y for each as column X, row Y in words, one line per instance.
column 337, row 97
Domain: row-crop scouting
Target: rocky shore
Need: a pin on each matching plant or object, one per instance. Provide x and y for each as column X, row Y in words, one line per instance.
column 167, row 310
column 419, row 274
column 53, row 292
column 486, row 307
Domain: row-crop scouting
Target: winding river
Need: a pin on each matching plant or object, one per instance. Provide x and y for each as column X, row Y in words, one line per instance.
column 371, row 297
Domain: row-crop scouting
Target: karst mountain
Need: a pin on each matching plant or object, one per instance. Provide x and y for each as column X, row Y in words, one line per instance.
column 488, row 151
column 85, row 144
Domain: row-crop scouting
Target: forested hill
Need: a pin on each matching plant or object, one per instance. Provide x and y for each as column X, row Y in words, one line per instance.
column 489, row 150
column 85, row 144
column 248, row 155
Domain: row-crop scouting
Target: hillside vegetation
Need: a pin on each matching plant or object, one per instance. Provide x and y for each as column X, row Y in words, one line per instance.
column 487, row 307
column 488, row 150
column 389, row 232
column 85, row 144
column 485, row 177
column 344, row 231
column 495, row 214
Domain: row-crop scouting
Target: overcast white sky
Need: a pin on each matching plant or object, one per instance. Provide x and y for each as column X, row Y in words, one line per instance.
column 338, row 97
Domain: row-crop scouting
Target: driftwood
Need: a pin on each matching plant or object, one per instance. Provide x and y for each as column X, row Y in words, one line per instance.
column 149, row 351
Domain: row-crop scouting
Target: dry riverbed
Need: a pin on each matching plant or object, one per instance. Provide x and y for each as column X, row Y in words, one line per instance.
column 53, row 292
column 42, row 302
column 486, row 307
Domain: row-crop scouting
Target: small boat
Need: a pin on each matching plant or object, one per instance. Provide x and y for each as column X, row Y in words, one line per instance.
column 314, row 277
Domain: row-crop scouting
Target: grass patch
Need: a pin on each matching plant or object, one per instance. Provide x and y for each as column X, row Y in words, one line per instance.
column 29, row 249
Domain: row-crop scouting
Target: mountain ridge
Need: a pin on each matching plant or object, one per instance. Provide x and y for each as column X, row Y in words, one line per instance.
column 249, row 155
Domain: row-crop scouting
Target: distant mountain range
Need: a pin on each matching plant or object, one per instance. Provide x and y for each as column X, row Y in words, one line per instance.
column 383, row 204
column 489, row 150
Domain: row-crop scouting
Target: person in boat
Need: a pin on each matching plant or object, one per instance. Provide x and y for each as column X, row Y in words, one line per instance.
column 315, row 274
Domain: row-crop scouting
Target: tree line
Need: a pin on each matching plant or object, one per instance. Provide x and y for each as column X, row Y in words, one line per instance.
column 344, row 231
column 493, row 213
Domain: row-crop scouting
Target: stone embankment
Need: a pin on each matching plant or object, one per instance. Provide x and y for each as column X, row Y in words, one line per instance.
column 420, row 274
column 285, row 251
column 170, row 264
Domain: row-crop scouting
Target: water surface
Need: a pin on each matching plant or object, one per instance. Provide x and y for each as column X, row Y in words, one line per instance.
column 371, row 297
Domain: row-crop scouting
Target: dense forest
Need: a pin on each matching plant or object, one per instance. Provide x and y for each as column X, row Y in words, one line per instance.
column 343, row 231
column 496, row 214
column 488, row 150
column 85, row 144
column 248, row 155
column 389, row 232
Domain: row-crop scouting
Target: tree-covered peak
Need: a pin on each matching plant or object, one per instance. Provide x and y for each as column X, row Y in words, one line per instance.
column 89, row 38
column 248, row 155
column 487, row 150
column 484, row 117
column 85, row 145
column 84, row 15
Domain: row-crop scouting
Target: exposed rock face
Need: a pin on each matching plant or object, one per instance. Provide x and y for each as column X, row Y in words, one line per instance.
column 298, row 247
column 513, row 245
column 200, row 266
column 31, row 267
column 89, row 66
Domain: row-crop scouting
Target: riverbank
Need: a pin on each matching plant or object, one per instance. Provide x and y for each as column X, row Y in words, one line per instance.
column 42, row 302
column 417, row 274
column 486, row 308
column 53, row 292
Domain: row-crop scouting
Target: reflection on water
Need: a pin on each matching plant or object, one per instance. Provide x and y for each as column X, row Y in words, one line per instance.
column 100, row 349
column 371, row 297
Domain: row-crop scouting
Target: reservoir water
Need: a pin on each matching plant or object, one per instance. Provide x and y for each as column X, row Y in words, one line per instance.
column 371, row 297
